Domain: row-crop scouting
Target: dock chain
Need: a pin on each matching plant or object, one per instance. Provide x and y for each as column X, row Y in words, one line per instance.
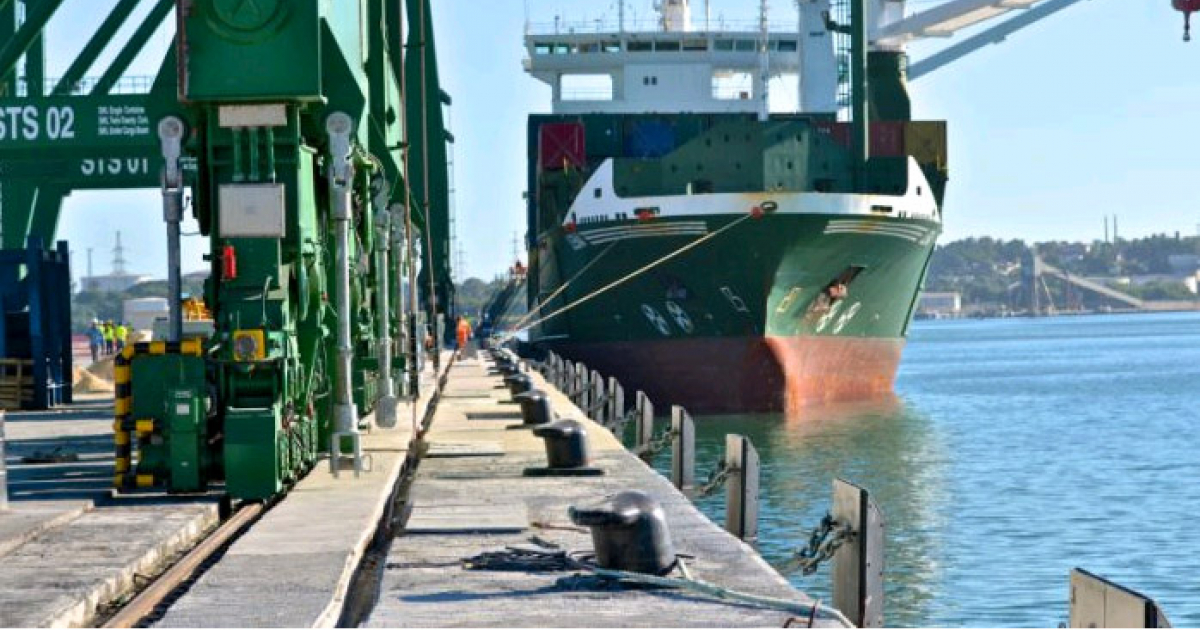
column 716, row 478
column 598, row 405
column 657, row 444
column 823, row 543
column 617, row 425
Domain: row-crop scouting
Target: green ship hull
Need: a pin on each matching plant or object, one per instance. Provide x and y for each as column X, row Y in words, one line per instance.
column 768, row 313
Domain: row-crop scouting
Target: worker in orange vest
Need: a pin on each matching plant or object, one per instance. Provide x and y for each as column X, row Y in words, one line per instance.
column 464, row 332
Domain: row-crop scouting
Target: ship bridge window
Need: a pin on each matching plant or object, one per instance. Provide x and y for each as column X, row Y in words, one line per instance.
column 589, row 47
column 784, row 45
column 586, row 87
column 543, row 48
column 668, row 46
column 695, row 44
column 641, row 46
column 746, row 45
column 723, row 45
column 730, row 85
column 612, row 47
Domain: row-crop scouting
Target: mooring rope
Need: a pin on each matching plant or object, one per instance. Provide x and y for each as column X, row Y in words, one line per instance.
column 546, row 557
column 634, row 274
column 559, row 290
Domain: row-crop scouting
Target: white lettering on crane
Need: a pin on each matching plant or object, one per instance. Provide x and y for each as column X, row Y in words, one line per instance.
column 30, row 124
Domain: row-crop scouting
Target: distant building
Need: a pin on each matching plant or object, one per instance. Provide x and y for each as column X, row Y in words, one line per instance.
column 936, row 305
column 141, row 313
column 1186, row 264
column 112, row 283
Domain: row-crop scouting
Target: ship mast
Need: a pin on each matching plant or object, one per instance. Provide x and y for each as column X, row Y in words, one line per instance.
column 764, row 62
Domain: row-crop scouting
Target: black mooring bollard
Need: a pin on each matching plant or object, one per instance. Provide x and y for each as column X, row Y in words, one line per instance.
column 518, row 383
column 566, row 444
column 536, row 408
column 629, row 533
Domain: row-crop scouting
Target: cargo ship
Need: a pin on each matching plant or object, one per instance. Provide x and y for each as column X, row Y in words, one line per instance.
column 711, row 252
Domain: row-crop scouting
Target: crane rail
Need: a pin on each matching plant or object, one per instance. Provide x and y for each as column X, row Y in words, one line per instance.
column 149, row 601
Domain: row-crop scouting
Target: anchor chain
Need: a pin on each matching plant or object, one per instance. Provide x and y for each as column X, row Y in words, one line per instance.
column 716, row 478
column 657, row 444
column 823, row 543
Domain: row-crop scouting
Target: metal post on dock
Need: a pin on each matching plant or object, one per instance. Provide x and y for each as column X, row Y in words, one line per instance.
column 1099, row 603
column 858, row 564
column 3, row 468
column 645, row 422
column 683, row 450
column 741, row 487
column 616, row 402
column 568, row 378
column 583, row 393
column 598, row 407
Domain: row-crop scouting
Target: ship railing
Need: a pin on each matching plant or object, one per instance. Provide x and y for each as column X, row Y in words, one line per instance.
column 608, row 26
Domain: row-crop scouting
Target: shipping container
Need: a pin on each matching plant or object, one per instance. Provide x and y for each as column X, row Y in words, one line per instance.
column 649, row 139
column 561, row 146
column 887, row 137
column 926, row 141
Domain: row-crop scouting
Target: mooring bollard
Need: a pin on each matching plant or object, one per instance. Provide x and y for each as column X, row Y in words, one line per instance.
column 645, row 423
column 3, row 468
column 741, row 487
column 1099, row 603
column 858, row 564
column 683, row 450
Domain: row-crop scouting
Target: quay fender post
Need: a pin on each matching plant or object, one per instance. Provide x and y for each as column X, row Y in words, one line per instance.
column 598, row 407
column 582, row 397
column 1099, row 603
column 616, row 404
column 3, row 469
column 645, row 423
column 683, row 450
column 741, row 488
column 858, row 564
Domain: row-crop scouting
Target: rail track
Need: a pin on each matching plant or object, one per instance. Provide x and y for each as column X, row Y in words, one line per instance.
column 154, row 599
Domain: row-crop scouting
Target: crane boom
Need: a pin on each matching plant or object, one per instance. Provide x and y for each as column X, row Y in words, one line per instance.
column 944, row 20
column 993, row 35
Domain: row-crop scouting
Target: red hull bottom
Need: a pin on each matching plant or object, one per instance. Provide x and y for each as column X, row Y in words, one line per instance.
column 747, row 374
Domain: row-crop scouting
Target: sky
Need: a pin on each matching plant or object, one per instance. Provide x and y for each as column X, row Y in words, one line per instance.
column 1089, row 113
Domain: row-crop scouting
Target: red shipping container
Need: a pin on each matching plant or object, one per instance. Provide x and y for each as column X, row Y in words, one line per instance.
column 887, row 137
column 840, row 133
column 561, row 145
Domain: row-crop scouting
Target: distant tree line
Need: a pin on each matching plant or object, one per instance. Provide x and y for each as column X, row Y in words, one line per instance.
column 984, row 269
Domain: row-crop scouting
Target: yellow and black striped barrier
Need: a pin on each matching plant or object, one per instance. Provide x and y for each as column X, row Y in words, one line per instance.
column 124, row 426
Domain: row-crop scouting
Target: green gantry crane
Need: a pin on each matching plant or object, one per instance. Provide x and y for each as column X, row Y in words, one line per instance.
column 309, row 134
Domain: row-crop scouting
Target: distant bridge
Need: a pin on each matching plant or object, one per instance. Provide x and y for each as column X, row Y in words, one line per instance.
column 1034, row 289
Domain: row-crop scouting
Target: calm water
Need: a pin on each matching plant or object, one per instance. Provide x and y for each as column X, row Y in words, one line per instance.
column 1017, row 449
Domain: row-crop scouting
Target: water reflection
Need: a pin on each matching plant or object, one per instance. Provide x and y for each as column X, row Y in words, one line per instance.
column 886, row 446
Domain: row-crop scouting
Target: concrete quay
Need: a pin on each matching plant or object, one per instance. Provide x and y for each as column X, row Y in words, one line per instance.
column 469, row 496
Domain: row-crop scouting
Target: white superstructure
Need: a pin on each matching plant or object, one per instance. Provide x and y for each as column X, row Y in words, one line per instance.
column 676, row 65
